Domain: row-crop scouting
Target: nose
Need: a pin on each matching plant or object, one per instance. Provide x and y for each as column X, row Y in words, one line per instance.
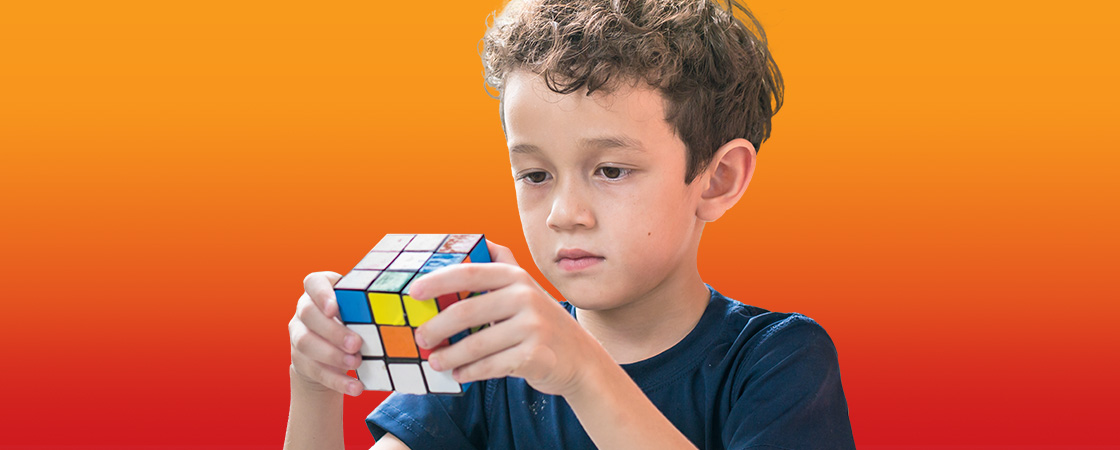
column 570, row 208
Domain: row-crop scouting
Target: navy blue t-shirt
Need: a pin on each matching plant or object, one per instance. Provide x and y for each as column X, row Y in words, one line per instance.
column 744, row 377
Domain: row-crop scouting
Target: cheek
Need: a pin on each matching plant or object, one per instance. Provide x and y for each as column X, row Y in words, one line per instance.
column 533, row 223
column 658, row 214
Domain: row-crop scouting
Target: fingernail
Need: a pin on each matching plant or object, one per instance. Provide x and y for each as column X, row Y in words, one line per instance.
column 355, row 389
column 350, row 343
column 435, row 364
column 420, row 339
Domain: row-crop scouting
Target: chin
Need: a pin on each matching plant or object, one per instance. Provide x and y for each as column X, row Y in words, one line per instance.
column 587, row 297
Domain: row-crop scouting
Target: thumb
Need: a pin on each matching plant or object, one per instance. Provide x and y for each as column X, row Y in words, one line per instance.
column 502, row 254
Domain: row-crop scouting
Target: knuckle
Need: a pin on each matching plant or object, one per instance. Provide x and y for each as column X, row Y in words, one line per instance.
column 515, row 365
column 301, row 341
column 524, row 292
column 301, row 310
column 471, row 270
column 295, row 330
column 529, row 355
column 307, row 279
column 473, row 344
column 461, row 308
column 533, row 322
column 294, row 327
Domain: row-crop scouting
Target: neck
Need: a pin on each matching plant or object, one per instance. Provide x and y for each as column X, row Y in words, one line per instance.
column 652, row 323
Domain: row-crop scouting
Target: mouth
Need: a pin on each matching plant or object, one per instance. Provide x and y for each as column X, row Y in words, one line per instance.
column 575, row 259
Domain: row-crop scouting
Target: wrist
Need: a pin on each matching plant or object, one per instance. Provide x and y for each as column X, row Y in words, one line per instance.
column 302, row 383
column 595, row 380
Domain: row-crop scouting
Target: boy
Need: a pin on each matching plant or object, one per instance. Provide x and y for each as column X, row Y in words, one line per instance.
column 629, row 125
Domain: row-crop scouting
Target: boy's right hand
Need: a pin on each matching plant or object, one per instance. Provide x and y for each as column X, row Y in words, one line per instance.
column 323, row 349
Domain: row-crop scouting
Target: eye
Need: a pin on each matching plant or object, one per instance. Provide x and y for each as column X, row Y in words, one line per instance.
column 614, row 173
column 535, row 177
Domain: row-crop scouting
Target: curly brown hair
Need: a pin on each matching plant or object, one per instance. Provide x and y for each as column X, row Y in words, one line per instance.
column 715, row 73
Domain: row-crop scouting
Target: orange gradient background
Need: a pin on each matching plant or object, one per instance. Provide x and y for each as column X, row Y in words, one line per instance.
column 940, row 193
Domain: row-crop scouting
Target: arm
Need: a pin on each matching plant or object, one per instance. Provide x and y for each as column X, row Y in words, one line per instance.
column 315, row 416
column 315, row 419
column 617, row 414
column 323, row 349
column 389, row 442
column 534, row 338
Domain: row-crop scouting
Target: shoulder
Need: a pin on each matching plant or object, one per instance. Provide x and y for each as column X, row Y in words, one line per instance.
column 762, row 326
column 755, row 327
column 781, row 384
column 757, row 341
column 794, row 330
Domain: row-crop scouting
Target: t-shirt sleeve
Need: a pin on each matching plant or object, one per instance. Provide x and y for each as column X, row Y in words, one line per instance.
column 788, row 393
column 432, row 420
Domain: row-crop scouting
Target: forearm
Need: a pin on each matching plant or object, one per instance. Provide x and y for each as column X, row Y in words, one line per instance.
column 315, row 417
column 616, row 414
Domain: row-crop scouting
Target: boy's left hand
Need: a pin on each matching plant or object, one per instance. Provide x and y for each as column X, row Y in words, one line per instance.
column 531, row 336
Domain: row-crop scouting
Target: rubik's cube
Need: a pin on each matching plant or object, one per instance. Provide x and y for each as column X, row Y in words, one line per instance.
column 373, row 302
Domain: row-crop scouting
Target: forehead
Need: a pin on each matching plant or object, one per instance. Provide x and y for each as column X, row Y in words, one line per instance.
column 627, row 117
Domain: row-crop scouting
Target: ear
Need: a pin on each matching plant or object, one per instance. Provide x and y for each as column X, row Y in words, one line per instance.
column 726, row 179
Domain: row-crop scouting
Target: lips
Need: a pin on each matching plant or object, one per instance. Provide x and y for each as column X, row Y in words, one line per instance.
column 575, row 253
column 576, row 259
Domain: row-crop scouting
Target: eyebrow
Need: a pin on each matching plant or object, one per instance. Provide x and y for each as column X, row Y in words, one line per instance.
column 602, row 142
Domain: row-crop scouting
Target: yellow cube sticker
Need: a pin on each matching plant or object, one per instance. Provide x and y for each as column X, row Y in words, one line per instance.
column 419, row 311
column 386, row 308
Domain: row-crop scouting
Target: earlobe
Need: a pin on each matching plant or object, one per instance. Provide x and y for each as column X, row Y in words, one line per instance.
column 727, row 178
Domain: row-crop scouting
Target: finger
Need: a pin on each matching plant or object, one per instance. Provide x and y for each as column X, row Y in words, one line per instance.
column 494, row 306
column 320, row 285
column 332, row 378
column 332, row 330
column 472, row 277
column 315, row 348
column 500, row 253
column 514, row 361
column 477, row 346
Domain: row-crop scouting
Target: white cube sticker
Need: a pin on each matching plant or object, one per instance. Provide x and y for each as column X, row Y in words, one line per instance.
column 373, row 375
column 407, row 378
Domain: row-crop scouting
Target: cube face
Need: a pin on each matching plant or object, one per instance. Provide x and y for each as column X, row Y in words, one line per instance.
column 374, row 302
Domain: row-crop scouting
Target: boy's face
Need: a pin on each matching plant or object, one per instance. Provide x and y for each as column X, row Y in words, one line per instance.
column 602, row 178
